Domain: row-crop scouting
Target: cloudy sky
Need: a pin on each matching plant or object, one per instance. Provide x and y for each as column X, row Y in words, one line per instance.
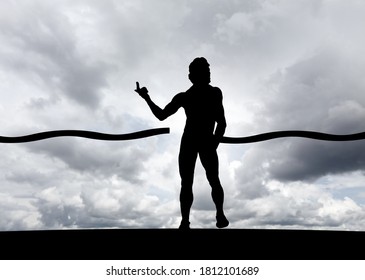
column 281, row 65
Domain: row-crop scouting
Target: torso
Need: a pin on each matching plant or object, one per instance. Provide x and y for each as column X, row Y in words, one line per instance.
column 200, row 105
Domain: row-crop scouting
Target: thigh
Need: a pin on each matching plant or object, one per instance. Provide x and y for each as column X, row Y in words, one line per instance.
column 209, row 159
column 187, row 159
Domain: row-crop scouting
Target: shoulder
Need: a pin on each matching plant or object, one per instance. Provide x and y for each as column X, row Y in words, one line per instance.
column 217, row 92
column 179, row 97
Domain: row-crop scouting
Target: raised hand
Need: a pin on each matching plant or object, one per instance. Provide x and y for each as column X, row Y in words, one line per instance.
column 143, row 92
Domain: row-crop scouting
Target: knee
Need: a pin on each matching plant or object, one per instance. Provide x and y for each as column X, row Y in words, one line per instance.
column 186, row 195
column 187, row 181
column 213, row 178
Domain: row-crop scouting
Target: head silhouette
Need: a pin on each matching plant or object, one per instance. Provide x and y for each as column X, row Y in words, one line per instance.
column 199, row 71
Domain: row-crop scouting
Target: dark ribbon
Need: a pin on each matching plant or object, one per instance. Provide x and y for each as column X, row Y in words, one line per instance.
column 293, row 133
column 84, row 134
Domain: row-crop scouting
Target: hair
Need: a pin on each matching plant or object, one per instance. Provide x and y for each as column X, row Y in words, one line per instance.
column 199, row 71
column 197, row 64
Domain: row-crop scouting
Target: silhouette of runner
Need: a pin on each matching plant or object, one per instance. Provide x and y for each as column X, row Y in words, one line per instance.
column 205, row 125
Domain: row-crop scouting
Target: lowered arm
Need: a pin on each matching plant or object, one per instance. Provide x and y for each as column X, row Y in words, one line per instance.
column 220, row 119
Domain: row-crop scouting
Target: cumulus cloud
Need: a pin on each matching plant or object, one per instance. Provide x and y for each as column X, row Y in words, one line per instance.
column 299, row 205
column 18, row 213
column 104, row 204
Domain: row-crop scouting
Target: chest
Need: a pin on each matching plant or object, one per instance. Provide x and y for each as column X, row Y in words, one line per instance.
column 200, row 105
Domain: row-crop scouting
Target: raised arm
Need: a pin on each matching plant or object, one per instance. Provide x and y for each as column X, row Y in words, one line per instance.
column 159, row 113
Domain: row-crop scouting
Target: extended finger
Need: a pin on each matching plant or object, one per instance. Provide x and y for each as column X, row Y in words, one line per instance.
column 137, row 84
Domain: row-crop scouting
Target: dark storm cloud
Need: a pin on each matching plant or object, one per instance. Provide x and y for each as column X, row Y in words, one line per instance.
column 99, row 159
column 311, row 161
column 322, row 93
column 27, row 176
column 44, row 48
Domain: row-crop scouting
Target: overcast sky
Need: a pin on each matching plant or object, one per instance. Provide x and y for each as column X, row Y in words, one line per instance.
column 281, row 65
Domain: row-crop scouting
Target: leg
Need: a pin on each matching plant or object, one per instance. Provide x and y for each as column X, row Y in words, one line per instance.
column 209, row 159
column 187, row 160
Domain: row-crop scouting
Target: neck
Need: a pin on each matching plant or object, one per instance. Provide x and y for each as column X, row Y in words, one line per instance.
column 200, row 84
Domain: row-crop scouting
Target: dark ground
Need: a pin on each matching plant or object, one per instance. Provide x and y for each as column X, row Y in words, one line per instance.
column 173, row 244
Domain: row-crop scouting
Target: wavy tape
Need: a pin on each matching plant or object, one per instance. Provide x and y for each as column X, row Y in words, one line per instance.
column 293, row 133
column 84, row 134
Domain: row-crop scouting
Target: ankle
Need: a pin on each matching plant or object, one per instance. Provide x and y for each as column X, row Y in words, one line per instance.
column 185, row 224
